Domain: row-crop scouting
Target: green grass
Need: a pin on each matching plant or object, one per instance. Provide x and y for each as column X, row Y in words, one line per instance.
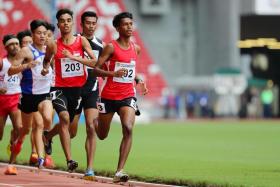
column 209, row 153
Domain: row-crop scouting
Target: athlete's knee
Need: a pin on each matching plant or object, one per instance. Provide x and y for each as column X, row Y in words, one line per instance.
column 72, row 134
column 64, row 120
column 127, row 129
column 25, row 129
column 90, row 129
column 102, row 136
column 48, row 121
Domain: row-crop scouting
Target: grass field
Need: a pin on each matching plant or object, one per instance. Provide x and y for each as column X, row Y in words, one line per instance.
column 197, row 153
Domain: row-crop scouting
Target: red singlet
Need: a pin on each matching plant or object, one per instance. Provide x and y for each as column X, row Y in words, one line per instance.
column 69, row 73
column 115, row 88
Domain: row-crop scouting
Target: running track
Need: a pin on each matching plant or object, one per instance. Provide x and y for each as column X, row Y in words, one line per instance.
column 30, row 176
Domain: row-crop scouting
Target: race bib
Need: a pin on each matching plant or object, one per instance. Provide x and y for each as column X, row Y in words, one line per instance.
column 12, row 80
column 71, row 68
column 129, row 75
column 101, row 107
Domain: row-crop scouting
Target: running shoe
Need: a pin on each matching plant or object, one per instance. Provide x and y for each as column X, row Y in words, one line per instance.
column 41, row 163
column 120, row 176
column 11, row 170
column 48, row 144
column 89, row 175
column 49, row 162
column 33, row 160
column 16, row 147
column 72, row 165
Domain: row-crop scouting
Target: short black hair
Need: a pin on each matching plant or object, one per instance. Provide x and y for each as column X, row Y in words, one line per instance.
column 118, row 17
column 8, row 37
column 63, row 11
column 22, row 34
column 37, row 23
column 50, row 26
column 88, row 14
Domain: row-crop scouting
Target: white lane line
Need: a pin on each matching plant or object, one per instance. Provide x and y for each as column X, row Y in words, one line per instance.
column 12, row 185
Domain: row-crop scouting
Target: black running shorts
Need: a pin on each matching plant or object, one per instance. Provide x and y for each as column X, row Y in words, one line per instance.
column 106, row 106
column 29, row 102
column 66, row 99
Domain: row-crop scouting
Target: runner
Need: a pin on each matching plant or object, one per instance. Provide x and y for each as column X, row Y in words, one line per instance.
column 90, row 93
column 10, row 93
column 118, row 94
column 35, row 102
column 25, row 38
column 69, row 77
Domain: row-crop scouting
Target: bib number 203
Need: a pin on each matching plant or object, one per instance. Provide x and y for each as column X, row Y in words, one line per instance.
column 72, row 67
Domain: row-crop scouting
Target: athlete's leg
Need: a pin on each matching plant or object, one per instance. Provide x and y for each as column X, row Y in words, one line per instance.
column 2, row 125
column 27, row 119
column 38, row 140
column 46, row 109
column 103, row 126
column 15, row 117
column 127, row 116
column 64, row 134
column 53, row 132
column 32, row 137
column 91, row 115
column 26, row 125
column 73, row 128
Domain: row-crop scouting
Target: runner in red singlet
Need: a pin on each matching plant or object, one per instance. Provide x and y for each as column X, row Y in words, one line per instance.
column 69, row 77
column 118, row 93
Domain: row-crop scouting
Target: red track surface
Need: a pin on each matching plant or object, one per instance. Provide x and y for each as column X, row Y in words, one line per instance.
column 27, row 177
column 30, row 176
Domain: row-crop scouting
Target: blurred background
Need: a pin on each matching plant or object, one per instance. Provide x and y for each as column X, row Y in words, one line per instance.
column 200, row 59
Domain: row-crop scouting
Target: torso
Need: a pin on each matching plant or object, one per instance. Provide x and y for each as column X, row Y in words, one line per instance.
column 69, row 73
column 11, row 83
column 32, row 81
column 115, row 88
column 97, row 47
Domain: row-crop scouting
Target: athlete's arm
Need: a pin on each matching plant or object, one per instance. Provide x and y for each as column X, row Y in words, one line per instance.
column 138, row 79
column 87, row 48
column 19, row 68
column 105, row 55
column 22, row 61
column 50, row 51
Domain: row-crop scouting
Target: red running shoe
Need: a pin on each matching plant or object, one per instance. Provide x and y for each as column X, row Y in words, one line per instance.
column 49, row 162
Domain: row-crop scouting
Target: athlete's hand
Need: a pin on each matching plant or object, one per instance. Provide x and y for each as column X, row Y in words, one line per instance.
column 67, row 53
column 3, row 91
column 120, row 72
column 31, row 64
column 44, row 71
column 143, row 87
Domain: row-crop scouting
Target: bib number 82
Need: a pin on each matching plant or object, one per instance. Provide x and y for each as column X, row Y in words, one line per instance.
column 128, row 73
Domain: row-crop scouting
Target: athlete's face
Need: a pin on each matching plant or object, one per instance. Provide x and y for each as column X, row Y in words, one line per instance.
column 65, row 23
column 49, row 35
column 89, row 25
column 39, row 35
column 13, row 48
column 126, row 27
column 26, row 40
